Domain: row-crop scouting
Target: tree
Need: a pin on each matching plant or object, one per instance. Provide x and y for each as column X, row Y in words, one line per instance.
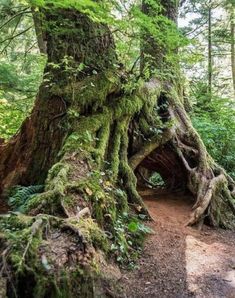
column 210, row 31
column 86, row 136
column 231, row 8
column 210, row 62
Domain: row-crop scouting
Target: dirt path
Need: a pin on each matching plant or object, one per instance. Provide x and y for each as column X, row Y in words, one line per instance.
column 180, row 261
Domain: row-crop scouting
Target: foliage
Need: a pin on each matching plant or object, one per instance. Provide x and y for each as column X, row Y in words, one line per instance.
column 21, row 66
column 19, row 195
column 128, row 236
column 216, row 124
column 195, row 26
column 19, row 81
column 20, row 74
column 156, row 179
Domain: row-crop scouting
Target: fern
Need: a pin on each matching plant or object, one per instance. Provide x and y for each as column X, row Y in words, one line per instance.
column 19, row 195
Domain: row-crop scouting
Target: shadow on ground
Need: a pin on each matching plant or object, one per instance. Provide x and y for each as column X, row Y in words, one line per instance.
column 180, row 261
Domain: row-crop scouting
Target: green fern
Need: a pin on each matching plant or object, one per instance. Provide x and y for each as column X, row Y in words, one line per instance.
column 19, row 195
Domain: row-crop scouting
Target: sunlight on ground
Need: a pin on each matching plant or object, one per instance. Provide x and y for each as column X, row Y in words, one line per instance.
column 207, row 263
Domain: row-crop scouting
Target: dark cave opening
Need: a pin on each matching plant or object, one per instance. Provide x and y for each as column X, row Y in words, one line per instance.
column 162, row 169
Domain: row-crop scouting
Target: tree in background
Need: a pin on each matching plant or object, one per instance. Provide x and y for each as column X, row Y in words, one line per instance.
column 230, row 6
column 21, row 66
column 210, row 31
column 213, row 119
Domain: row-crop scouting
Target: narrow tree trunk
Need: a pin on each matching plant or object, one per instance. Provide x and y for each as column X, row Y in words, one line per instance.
column 232, row 30
column 39, row 31
column 210, row 51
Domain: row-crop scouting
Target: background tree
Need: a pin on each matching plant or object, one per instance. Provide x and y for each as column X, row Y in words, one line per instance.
column 21, row 66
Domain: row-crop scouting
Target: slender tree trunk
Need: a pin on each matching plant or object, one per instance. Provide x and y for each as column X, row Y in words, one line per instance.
column 210, row 62
column 232, row 30
column 39, row 31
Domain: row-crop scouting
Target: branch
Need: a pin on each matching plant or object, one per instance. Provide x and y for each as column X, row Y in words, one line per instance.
column 18, row 34
column 154, row 143
column 15, row 16
column 11, row 35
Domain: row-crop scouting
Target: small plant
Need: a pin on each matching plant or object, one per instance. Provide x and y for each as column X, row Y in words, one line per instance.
column 129, row 234
column 156, row 179
column 20, row 195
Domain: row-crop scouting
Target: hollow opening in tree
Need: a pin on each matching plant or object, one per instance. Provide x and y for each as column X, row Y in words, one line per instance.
column 162, row 169
column 162, row 181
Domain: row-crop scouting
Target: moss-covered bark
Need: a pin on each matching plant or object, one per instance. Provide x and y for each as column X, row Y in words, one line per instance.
column 91, row 135
column 78, row 130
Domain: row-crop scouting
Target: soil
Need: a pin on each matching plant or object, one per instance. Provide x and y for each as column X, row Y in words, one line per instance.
column 179, row 261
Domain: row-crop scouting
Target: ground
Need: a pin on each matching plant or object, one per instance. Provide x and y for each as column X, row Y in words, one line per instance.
column 180, row 261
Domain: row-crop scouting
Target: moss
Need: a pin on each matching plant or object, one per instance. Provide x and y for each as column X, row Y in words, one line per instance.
column 92, row 233
column 13, row 222
column 31, row 241
column 84, row 139
column 92, row 91
column 48, row 202
column 128, row 106
column 102, row 143
column 55, row 188
column 128, row 176
column 122, row 200
column 114, row 151
column 103, row 207
column 58, row 178
column 97, row 191
column 24, row 235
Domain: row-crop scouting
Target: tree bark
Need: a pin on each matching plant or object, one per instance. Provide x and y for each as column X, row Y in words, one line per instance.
column 26, row 158
column 232, row 30
column 39, row 31
column 210, row 51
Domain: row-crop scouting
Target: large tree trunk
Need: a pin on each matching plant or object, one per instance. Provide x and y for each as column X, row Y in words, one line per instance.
column 26, row 158
column 82, row 129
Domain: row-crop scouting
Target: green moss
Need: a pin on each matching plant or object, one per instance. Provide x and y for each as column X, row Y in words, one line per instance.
column 114, row 151
column 55, row 188
column 25, row 246
column 92, row 91
column 84, row 139
column 58, row 178
column 12, row 222
column 121, row 201
column 24, row 235
column 128, row 106
column 48, row 202
column 92, row 233
column 102, row 143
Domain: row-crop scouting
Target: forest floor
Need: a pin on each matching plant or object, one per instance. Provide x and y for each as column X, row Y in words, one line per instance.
column 179, row 261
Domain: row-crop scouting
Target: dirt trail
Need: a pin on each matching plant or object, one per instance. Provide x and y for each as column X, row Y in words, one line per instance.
column 180, row 261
